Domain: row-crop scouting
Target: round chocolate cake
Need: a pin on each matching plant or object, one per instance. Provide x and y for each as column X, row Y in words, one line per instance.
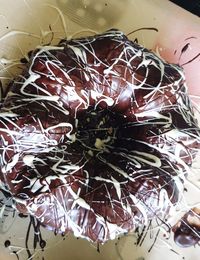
column 97, row 135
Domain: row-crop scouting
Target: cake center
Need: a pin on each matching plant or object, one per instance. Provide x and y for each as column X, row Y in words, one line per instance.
column 96, row 130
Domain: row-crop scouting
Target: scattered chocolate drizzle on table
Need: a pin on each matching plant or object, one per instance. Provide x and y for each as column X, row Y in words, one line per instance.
column 37, row 236
column 33, row 240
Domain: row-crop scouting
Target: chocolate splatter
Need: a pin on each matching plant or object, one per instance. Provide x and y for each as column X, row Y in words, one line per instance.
column 7, row 243
column 16, row 253
column 191, row 60
column 154, row 241
column 143, row 28
column 37, row 236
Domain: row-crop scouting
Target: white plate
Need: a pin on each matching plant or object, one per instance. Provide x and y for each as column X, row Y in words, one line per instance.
column 25, row 24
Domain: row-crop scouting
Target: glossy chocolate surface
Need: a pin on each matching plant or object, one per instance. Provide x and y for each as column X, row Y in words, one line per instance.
column 97, row 135
column 187, row 230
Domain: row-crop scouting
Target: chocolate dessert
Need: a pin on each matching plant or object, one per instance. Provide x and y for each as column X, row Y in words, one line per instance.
column 97, row 136
column 187, row 229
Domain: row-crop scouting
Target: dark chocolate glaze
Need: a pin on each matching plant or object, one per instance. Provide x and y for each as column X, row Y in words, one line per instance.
column 96, row 136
